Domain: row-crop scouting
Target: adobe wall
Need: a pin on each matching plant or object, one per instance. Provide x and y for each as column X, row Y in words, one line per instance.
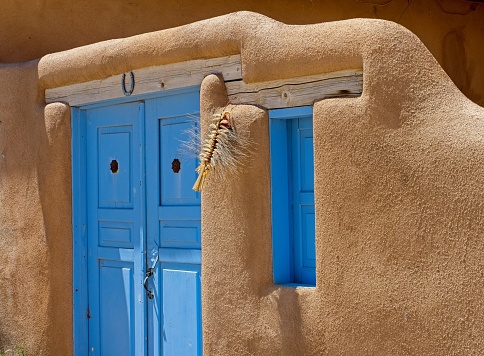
column 398, row 189
column 451, row 29
column 35, row 217
column 399, row 210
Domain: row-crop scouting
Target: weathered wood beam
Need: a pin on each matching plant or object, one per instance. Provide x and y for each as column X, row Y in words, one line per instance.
column 270, row 95
column 147, row 80
column 297, row 91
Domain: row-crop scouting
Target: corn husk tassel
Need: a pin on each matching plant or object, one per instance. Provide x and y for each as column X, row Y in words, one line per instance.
column 218, row 150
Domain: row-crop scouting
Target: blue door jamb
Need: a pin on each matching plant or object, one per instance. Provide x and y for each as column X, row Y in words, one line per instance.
column 79, row 245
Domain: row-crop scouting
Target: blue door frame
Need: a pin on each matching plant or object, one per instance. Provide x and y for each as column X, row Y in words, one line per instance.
column 169, row 226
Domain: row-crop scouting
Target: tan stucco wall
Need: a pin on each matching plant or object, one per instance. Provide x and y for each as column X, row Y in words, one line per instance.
column 35, row 217
column 399, row 180
column 398, row 186
column 451, row 29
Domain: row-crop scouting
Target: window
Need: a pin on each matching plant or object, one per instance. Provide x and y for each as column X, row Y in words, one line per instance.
column 292, row 183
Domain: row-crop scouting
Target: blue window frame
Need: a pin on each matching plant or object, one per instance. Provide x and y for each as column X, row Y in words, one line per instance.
column 292, row 184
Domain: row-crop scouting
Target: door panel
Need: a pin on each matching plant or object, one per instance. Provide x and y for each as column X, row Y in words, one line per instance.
column 176, row 187
column 182, row 313
column 141, row 215
column 303, row 200
column 115, row 144
column 115, row 229
column 180, row 233
column 174, row 233
column 179, row 211
column 116, row 308
column 116, row 234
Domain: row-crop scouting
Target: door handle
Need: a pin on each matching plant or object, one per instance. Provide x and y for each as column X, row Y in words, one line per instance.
column 148, row 274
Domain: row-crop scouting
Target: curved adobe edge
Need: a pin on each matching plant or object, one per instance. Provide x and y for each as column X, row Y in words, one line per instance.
column 396, row 64
column 398, row 191
column 402, row 186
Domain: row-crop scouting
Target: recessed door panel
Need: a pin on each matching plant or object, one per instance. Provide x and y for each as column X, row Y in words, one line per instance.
column 181, row 234
column 181, row 290
column 115, row 223
column 306, row 154
column 116, row 294
column 116, row 234
column 177, row 171
column 114, row 160
column 308, row 232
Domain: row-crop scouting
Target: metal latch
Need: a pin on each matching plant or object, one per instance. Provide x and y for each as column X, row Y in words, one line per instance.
column 149, row 272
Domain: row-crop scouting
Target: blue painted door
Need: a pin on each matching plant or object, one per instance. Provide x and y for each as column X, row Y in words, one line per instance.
column 174, row 234
column 143, row 228
column 115, row 210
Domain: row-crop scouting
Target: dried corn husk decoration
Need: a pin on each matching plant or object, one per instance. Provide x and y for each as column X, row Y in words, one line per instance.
column 220, row 150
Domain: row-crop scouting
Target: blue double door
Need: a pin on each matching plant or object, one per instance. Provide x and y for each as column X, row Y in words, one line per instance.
column 143, row 228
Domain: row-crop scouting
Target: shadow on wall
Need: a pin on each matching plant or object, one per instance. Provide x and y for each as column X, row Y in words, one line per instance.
column 398, row 194
column 35, row 220
column 399, row 213
column 54, row 177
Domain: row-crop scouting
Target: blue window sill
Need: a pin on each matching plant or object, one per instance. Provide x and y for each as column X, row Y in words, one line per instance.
column 297, row 285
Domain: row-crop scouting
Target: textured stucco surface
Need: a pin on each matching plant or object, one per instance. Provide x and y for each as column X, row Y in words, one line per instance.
column 399, row 210
column 399, row 236
column 35, row 217
column 398, row 188
column 451, row 29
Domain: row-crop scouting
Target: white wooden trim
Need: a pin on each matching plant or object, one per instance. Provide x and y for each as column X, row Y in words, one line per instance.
column 299, row 91
column 291, row 92
column 147, row 80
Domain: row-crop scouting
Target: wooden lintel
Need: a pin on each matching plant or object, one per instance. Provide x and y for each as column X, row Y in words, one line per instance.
column 147, row 80
column 291, row 92
column 297, row 91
